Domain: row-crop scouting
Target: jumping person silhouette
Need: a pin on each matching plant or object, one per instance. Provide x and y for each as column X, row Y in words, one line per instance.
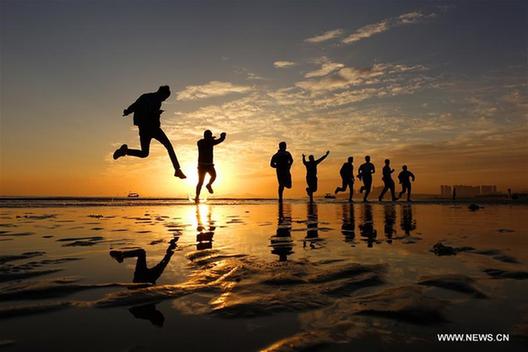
column 311, row 173
column 387, row 181
column 347, row 178
column 147, row 115
column 365, row 172
column 405, row 177
column 282, row 162
column 205, row 161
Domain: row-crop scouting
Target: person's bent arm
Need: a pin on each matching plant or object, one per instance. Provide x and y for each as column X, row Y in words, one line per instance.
column 132, row 107
column 304, row 159
column 290, row 159
column 273, row 164
column 373, row 171
column 221, row 139
column 412, row 176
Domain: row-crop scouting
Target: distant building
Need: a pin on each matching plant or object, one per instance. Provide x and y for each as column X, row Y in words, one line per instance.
column 488, row 189
column 463, row 191
column 446, row 191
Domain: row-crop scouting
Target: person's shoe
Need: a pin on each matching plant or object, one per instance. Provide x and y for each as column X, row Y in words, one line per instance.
column 361, row 189
column 120, row 152
column 380, row 199
column 336, row 191
column 180, row 174
column 209, row 188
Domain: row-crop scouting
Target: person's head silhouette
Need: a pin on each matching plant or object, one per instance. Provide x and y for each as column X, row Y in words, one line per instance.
column 311, row 158
column 387, row 162
column 367, row 159
column 350, row 159
column 282, row 146
column 164, row 92
column 208, row 134
column 404, row 167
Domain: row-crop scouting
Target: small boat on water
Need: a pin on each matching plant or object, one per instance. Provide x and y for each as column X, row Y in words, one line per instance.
column 329, row 196
column 133, row 195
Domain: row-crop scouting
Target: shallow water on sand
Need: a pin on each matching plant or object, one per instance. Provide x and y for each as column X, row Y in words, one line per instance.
column 255, row 276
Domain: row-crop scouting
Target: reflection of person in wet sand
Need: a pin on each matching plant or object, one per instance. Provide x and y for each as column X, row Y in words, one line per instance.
column 347, row 178
column 408, row 224
column 367, row 227
column 205, row 161
column 349, row 224
column 389, row 213
column 387, row 181
column 311, row 173
column 365, row 172
column 143, row 274
column 282, row 162
column 204, row 237
column 405, row 177
column 312, row 226
column 147, row 115
column 282, row 243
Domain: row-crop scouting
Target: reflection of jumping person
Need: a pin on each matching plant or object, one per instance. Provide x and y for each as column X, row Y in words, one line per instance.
column 387, row 181
column 347, row 178
column 311, row 173
column 205, row 161
column 365, row 172
column 147, row 115
column 282, row 162
column 405, row 177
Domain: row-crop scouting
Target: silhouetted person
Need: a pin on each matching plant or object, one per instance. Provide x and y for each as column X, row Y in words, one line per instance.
column 205, row 234
column 365, row 172
column 282, row 161
column 388, row 182
column 311, row 173
column 282, row 243
column 143, row 274
column 348, row 223
column 407, row 224
column 347, row 178
column 205, row 161
column 367, row 229
column 147, row 112
column 389, row 213
column 405, row 177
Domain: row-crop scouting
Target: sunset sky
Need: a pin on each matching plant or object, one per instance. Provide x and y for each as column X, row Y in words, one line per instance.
column 440, row 86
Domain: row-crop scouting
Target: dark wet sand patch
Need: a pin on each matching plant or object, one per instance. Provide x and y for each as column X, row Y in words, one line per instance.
column 6, row 275
column 143, row 231
column 157, row 242
column 17, row 311
column 81, row 241
column 16, row 234
column 26, row 255
column 97, row 228
column 453, row 282
column 441, row 249
column 37, row 217
column 47, row 236
column 505, row 274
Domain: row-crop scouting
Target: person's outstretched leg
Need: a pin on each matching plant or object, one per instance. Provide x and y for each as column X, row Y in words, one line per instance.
column 281, row 191
column 393, row 191
column 144, row 139
column 212, row 175
column 201, row 178
column 351, row 194
column 383, row 193
column 343, row 186
column 164, row 140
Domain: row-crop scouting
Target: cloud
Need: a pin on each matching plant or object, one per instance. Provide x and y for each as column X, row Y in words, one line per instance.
column 325, row 36
column 345, row 77
column 283, row 64
column 326, row 68
column 384, row 25
column 211, row 89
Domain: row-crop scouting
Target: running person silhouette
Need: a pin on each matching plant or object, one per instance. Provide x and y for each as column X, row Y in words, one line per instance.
column 405, row 177
column 205, row 161
column 347, row 178
column 282, row 161
column 311, row 173
column 387, row 181
column 147, row 115
column 365, row 172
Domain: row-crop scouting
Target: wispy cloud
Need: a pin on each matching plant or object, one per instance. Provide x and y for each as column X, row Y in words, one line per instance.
column 327, row 67
column 283, row 64
column 325, row 36
column 211, row 89
column 384, row 25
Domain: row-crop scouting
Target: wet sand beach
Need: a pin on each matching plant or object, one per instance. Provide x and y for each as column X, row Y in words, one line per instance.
column 252, row 275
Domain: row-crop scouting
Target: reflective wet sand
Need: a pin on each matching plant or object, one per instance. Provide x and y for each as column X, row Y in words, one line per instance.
column 262, row 277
